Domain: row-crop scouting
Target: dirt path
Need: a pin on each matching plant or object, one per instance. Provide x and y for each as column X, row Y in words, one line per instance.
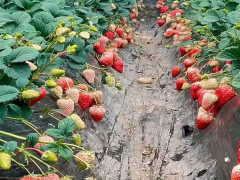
column 142, row 137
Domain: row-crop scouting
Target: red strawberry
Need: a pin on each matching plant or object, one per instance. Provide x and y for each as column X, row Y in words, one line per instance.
column 103, row 41
column 120, row 32
column 85, row 100
column 97, row 113
column 239, row 156
column 119, row 42
column 189, row 62
column 173, row 13
column 193, row 53
column 73, row 94
column 179, row 83
column 204, row 120
column 43, row 138
column 133, row 16
column 235, row 173
column 65, row 83
column 129, row 38
column 195, row 87
column 164, row 9
column 176, row 71
column 188, row 38
column 161, row 22
column 224, row 93
column 169, row 32
column 98, row 48
column 228, row 62
column 194, row 77
column 208, row 100
column 89, row 75
column 183, row 51
column 42, row 94
column 118, row 66
column 216, row 69
column 106, row 59
column 82, row 87
column 110, row 35
column 67, row 105
column 212, row 110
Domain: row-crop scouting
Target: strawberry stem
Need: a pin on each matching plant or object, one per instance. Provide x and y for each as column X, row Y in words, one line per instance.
column 59, row 113
column 37, row 166
column 21, row 165
column 41, row 80
column 34, row 149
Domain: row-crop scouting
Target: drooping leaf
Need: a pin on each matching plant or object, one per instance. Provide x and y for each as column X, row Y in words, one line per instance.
column 32, row 139
column 67, row 125
column 22, row 82
column 66, row 154
column 15, row 108
column 9, row 147
column 231, row 53
column 54, row 133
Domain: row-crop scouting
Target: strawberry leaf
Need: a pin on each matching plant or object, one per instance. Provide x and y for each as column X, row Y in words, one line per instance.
column 23, row 54
column 4, row 112
column 236, row 81
column 66, row 154
column 67, row 125
column 52, row 147
column 230, row 53
column 8, row 93
column 9, row 147
column 54, row 133
column 32, row 139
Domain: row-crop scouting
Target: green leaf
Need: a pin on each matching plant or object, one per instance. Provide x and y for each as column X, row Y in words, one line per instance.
column 212, row 15
column 5, row 51
column 55, row 133
column 50, row 147
column 231, row 53
column 25, row 108
column 89, row 48
column 17, row 71
column 67, row 125
column 44, row 17
column 8, row 42
column 22, row 82
column 15, row 108
column 23, row 54
column 233, row 17
column 236, row 81
column 27, row 5
column 185, row 43
column 224, row 43
column 74, row 65
column 21, row 17
column 32, row 139
column 75, row 40
column 80, row 57
column 9, row 147
column 4, row 112
column 66, row 154
column 8, row 93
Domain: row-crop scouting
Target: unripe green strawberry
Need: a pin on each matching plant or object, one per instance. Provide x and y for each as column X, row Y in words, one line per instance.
column 61, row 31
column 93, row 28
column 110, row 80
column 58, row 72
column 80, row 124
column 51, row 83
column 61, row 39
column 85, row 159
column 66, row 178
column 205, row 76
column 57, row 91
column 5, row 161
column 214, row 63
column 119, row 86
column 84, row 35
column 49, row 156
column 30, row 94
column 77, row 139
column 185, row 86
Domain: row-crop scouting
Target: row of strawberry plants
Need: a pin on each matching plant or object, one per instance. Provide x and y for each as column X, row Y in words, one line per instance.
column 207, row 34
column 38, row 38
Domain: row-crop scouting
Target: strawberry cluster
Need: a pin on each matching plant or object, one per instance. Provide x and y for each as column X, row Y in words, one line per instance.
column 210, row 92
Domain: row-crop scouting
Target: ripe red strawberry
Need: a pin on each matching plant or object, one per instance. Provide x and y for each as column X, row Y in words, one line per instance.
column 169, row 32
column 194, row 53
column 176, row 71
column 133, row 16
column 42, row 94
column 208, row 100
column 194, row 77
column 85, row 100
column 67, row 105
column 173, row 13
column 228, row 62
column 120, row 32
column 119, row 42
column 82, row 87
column 115, row 55
column 189, row 62
column 164, row 9
column 97, row 113
column 212, row 110
column 106, row 59
column 103, row 41
column 204, row 120
column 183, row 51
column 235, row 173
column 110, row 35
column 98, row 48
column 195, row 87
column 65, row 83
column 43, row 138
column 73, row 94
column 89, row 75
column 118, row 66
column 188, row 38
column 161, row 22
column 224, row 93
column 216, row 69
column 129, row 38
column 179, row 83
column 239, row 156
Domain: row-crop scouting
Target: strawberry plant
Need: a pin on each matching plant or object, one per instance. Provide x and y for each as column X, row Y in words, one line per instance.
column 38, row 39
column 207, row 35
